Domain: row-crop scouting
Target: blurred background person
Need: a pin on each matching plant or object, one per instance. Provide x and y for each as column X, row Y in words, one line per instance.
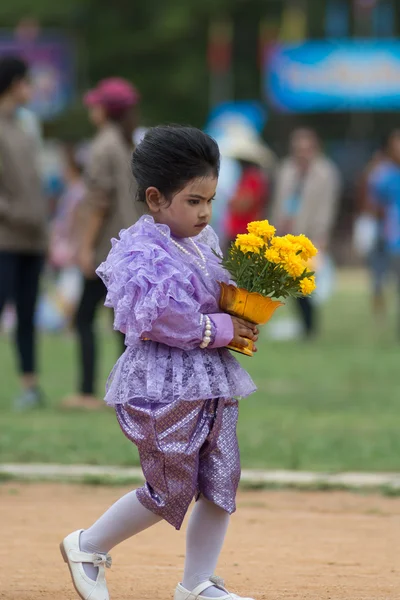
column 23, row 222
column 57, row 308
column 384, row 191
column 305, row 201
column 108, row 207
column 369, row 239
column 249, row 199
column 65, row 227
column 229, row 176
column 31, row 124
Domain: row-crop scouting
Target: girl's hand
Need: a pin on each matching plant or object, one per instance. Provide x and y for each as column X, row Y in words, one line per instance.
column 242, row 330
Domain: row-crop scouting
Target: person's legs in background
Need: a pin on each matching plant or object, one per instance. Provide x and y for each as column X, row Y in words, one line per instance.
column 19, row 276
column 395, row 269
column 28, row 271
column 119, row 336
column 308, row 315
column 379, row 264
column 8, row 264
column 93, row 296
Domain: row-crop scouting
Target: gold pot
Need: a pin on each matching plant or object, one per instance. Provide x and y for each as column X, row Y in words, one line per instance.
column 250, row 306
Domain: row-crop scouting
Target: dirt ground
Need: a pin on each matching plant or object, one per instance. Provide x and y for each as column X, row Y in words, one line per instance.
column 290, row 545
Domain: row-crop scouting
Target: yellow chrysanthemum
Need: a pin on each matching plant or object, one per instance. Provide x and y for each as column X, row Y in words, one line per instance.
column 262, row 229
column 249, row 242
column 307, row 285
column 273, row 256
column 294, row 266
column 284, row 246
column 304, row 245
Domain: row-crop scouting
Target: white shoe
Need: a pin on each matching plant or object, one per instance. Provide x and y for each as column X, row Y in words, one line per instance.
column 183, row 594
column 74, row 557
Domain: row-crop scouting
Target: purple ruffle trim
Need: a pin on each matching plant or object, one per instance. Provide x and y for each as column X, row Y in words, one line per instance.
column 156, row 373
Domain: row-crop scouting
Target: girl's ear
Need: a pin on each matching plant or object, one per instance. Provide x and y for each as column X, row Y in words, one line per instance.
column 154, row 199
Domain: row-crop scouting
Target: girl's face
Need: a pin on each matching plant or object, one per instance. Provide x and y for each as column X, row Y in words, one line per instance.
column 190, row 210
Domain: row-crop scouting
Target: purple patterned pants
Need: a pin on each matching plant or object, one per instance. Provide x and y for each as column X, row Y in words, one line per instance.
column 185, row 449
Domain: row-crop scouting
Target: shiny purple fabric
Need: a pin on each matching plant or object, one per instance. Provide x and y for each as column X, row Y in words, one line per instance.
column 186, row 449
column 158, row 292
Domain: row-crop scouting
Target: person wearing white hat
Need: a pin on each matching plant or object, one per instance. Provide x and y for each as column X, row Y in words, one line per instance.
column 242, row 143
column 256, row 161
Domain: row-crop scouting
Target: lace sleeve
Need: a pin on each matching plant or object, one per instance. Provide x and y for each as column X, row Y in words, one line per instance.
column 152, row 295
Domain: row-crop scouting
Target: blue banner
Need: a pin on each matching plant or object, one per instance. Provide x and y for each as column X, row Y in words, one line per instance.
column 358, row 75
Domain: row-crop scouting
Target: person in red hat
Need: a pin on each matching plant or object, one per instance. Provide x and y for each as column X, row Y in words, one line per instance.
column 107, row 208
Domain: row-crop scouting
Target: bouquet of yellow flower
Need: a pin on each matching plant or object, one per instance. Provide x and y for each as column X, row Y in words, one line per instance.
column 259, row 261
column 265, row 267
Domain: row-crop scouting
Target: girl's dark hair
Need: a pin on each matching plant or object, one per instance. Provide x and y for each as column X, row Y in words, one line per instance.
column 169, row 157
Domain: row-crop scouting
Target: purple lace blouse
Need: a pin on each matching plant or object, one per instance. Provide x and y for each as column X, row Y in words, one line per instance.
column 160, row 293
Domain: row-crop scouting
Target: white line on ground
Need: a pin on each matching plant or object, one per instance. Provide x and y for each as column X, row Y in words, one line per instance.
column 297, row 478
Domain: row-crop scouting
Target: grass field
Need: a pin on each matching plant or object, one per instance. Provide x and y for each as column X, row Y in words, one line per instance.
column 329, row 405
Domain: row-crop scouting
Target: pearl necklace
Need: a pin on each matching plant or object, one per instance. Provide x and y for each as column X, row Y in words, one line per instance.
column 200, row 263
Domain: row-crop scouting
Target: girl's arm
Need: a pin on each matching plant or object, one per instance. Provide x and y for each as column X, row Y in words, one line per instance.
column 186, row 330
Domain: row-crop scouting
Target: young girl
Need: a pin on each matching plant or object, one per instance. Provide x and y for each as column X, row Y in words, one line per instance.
column 174, row 388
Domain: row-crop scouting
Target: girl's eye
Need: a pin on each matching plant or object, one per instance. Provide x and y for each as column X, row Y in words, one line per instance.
column 193, row 202
column 211, row 200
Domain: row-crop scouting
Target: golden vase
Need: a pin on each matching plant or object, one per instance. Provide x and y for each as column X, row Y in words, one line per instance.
column 250, row 306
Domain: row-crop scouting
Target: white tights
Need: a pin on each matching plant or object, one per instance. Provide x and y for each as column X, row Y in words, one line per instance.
column 205, row 536
column 127, row 517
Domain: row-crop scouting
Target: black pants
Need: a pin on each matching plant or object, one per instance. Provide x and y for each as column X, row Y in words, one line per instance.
column 19, row 284
column 308, row 315
column 94, row 293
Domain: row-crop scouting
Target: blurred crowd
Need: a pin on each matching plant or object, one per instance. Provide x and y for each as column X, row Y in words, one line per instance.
column 56, row 224
column 377, row 228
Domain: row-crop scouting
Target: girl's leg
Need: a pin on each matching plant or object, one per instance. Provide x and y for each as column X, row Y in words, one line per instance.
column 205, row 536
column 122, row 520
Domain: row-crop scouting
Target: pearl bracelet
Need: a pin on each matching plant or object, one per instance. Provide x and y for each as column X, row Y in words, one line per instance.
column 207, row 333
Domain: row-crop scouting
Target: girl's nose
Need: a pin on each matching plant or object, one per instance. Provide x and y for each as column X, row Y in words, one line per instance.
column 205, row 211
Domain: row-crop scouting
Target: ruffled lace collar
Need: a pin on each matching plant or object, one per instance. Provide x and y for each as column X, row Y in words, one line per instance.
column 149, row 222
column 151, row 225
